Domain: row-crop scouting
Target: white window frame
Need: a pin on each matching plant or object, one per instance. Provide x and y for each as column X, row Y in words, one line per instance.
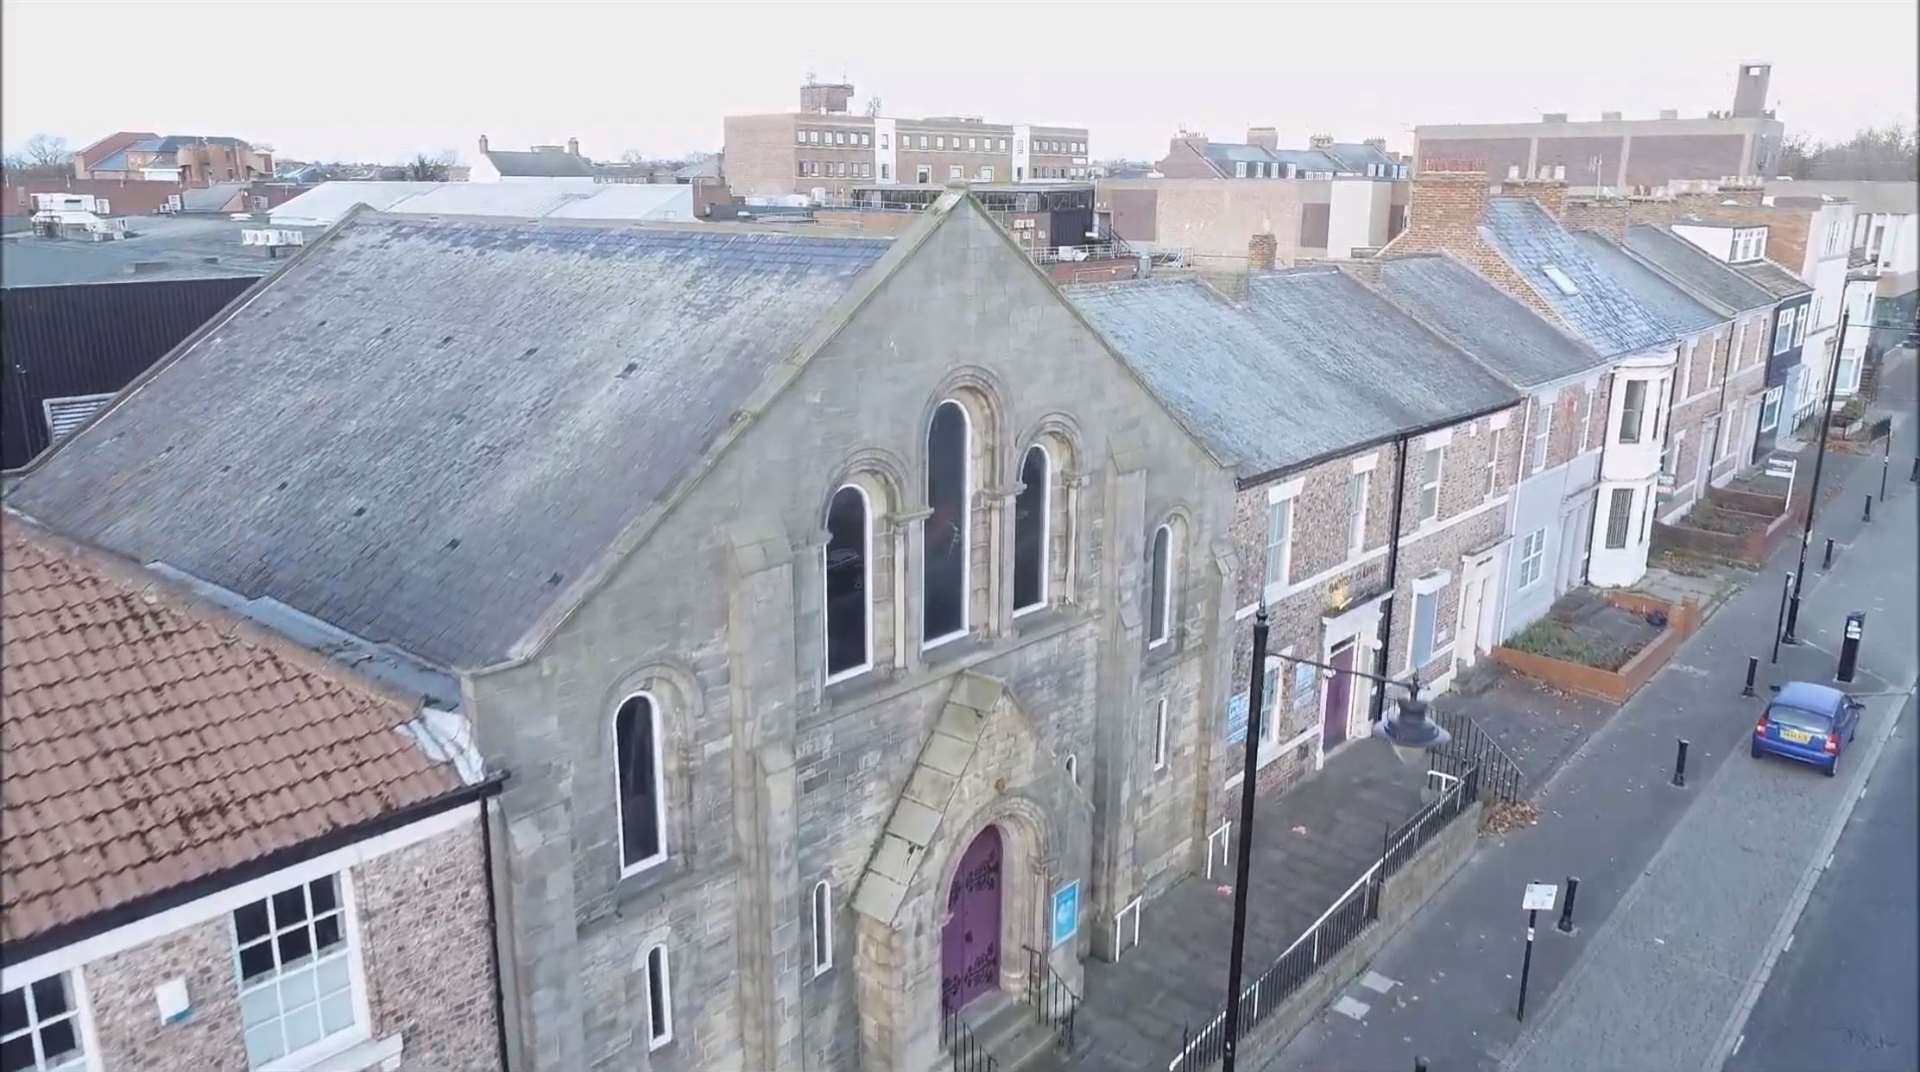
column 866, row 583
column 1428, row 587
column 659, row 785
column 1279, row 568
column 1533, row 557
column 966, row 529
column 87, row 1058
column 327, row 1045
column 1357, row 518
column 1493, row 463
column 1164, row 626
column 1639, row 413
column 1310, row 675
column 1542, row 434
column 820, row 905
column 1685, row 379
column 1270, row 681
column 1432, row 481
column 1807, row 313
column 1770, row 404
column 1160, row 735
column 956, row 171
column 1046, row 525
column 1073, row 768
column 659, row 1035
column 1783, row 331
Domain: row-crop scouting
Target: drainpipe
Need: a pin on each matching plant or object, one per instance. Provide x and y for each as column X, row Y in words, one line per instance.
column 493, row 936
column 1393, row 576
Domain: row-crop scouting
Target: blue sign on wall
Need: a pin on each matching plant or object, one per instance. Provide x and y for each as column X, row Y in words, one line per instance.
column 1066, row 912
column 1237, row 718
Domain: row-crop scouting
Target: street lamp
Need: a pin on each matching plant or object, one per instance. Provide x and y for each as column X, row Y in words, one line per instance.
column 1407, row 730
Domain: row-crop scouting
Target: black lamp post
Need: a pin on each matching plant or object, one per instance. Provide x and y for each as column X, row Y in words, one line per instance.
column 1407, row 728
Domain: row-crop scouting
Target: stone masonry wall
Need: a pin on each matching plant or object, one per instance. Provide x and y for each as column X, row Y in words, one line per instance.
column 419, row 925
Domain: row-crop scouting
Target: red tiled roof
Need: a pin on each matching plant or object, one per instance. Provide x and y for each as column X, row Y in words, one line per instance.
column 148, row 741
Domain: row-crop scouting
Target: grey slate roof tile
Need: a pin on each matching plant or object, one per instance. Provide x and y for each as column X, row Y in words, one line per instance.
column 1524, row 348
column 1772, row 278
column 1310, row 363
column 1704, row 275
column 540, row 165
column 1681, row 313
column 408, row 382
column 1602, row 312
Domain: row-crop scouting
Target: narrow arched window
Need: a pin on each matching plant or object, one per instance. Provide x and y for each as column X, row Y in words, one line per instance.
column 659, row 999
column 822, row 927
column 948, row 535
column 849, row 583
column 642, row 805
column 1073, row 768
column 1030, row 513
column 1160, row 603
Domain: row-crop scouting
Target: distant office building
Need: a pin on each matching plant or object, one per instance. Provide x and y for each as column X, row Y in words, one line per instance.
column 826, row 151
column 1620, row 154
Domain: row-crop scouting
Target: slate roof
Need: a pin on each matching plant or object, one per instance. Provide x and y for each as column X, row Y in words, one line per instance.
column 1602, row 312
column 1356, row 156
column 1522, row 347
column 1772, row 278
column 540, row 165
column 1674, row 306
column 149, row 742
column 1704, row 275
column 1311, row 362
column 210, row 198
column 423, row 431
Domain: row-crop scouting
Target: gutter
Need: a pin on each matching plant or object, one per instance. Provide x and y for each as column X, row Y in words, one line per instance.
column 193, row 889
column 493, row 934
column 1401, row 436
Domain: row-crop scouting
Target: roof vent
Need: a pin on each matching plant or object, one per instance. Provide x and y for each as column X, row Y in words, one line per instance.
column 1561, row 280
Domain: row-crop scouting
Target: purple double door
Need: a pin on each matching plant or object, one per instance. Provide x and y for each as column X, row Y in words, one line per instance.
column 970, row 939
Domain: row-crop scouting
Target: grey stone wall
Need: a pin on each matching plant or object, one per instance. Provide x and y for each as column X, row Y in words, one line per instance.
column 775, row 779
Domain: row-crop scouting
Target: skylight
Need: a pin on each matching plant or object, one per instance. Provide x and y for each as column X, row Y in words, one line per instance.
column 1560, row 279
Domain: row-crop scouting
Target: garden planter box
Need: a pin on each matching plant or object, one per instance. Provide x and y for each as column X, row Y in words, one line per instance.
column 1611, row 686
column 1751, row 548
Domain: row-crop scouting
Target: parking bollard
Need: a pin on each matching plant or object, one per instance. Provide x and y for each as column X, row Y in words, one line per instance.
column 1566, row 907
column 1419, row 1064
column 1868, row 516
column 1826, row 560
column 1680, row 764
column 1753, row 667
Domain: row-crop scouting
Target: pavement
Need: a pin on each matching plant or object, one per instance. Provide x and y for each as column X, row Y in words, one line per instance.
column 1856, row 939
column 1658, row 971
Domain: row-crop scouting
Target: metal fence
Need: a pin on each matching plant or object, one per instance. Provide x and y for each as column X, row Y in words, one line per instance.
column 957, row 1039
column 1474, row 748
column 1051, row 999
column 1349, row 914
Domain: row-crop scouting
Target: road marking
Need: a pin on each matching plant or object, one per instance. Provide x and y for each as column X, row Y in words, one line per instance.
column 1829, row 865
column 1353, row 1010
column 1789, row 944
column 1739, row 1042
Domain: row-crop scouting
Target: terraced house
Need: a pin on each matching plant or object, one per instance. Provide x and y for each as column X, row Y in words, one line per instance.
column 849, row 618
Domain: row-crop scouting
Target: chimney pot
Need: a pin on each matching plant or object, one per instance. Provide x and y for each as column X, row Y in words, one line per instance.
column 1320, row 141
column 483, row 143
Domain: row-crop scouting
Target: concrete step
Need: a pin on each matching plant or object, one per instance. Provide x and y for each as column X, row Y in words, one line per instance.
column 1006, row 1028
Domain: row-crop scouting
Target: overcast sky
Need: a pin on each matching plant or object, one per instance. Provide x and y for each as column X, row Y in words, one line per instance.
column 378, row 81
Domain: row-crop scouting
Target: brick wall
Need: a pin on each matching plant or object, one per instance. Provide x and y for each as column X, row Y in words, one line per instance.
column 1607, row 216
column 421, row 930
column 1786, row 227
column 1443, row 214
column 761, row 155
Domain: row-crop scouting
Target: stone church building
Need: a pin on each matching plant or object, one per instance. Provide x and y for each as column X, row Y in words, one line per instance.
column 850, row 621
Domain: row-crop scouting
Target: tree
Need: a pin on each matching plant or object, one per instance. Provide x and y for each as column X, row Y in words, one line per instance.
column 425, row 168
column 1884, row 153
column 47, row 151
column 1796, row 157
column 633, row 156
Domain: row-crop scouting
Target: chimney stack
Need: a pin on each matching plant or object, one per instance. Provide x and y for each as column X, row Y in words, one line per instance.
column 1265, row 137
column 1261, row 250
column 1449, row 199
column 573, row 146
column 1750, row 91
column 1550, row 193
column 1601, row 215
column 483, row 143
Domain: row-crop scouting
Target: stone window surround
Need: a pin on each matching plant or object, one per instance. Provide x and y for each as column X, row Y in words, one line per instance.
column 866, row 572
column 1430, row 585
column 1284, row 492
column 821, row 905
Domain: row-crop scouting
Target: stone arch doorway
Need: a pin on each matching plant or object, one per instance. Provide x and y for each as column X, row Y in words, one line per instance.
column 970, row 935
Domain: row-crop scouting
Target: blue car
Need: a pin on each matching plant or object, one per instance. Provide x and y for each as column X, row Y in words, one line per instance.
column 1807, row 722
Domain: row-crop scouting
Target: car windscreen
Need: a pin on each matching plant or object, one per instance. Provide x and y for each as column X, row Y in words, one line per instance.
column 1799, row 718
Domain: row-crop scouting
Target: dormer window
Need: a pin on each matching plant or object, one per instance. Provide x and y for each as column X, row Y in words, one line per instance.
column 1561, row 280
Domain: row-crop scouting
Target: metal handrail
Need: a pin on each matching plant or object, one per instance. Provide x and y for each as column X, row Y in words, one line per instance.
column 966, row 1052
column 1052, row 998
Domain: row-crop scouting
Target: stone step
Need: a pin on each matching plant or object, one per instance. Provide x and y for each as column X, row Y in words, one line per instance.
column 1006, row 1028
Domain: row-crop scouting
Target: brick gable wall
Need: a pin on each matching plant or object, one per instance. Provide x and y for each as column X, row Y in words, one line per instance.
column 1444, row 214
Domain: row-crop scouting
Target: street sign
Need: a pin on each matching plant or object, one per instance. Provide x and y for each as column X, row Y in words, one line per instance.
column 1539, row 896
column 1066, row 912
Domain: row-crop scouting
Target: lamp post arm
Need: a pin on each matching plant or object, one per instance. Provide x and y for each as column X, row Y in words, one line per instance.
column 1412, row 684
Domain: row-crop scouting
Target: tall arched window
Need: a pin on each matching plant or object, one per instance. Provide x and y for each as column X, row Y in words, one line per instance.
column 659, row 999
column 944, row 567
column 642, row 803
column 849, row 583
column 1160, row 602
column 1030, row 523
column 822, row 927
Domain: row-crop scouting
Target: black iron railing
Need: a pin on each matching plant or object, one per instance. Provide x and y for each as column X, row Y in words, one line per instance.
column 1349, row 914
column 957, row 1039
column 1051, row 999
column 1473, row 748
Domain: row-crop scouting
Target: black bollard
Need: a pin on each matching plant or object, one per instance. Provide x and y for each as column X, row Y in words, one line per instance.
column 1566, row 907
column 1826, row 561
column 1680, row 764
column 1914, row 477
column 1753, row 667
column 1868, row 516
column 1419, row 1064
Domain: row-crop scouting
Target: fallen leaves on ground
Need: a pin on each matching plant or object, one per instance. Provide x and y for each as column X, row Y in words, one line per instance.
column 1502, row 816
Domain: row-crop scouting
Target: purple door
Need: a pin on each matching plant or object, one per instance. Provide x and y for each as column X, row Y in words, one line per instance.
column 970, row 940
column 1334, row 730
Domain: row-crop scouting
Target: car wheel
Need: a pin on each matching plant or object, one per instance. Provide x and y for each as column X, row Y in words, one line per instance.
column 1756, row 751
column 1833, row 767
